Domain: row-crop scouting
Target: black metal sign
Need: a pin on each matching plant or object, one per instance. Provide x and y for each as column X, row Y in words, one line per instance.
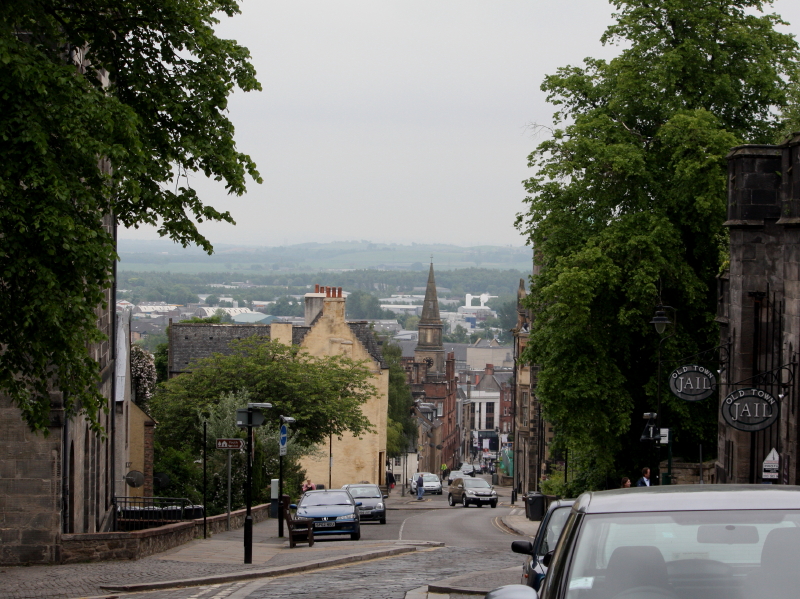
column 692, row 382
column 750, row 410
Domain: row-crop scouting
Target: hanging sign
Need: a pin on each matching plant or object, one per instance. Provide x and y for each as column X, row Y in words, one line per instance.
column 692, row 382
column 750, row 410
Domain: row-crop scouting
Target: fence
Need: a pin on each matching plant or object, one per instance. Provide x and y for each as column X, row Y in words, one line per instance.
column 139, row 513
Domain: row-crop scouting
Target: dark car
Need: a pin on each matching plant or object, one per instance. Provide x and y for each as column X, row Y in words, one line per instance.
column 675, row 542
column 468, row 491
column 372, row 506
column 552, row 524
column 454, row 475
column 335, row 512
column 467, row 469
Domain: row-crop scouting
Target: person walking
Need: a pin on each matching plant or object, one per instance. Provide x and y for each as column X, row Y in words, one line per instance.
column 420, row 488
column 645, row 480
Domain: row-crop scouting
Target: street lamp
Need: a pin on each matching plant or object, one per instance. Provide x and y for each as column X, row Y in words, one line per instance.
column 284, row 421
column 660, row 322
column 250, row 418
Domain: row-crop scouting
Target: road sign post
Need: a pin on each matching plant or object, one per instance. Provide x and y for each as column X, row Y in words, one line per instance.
column 230, row 445
column 284, row 435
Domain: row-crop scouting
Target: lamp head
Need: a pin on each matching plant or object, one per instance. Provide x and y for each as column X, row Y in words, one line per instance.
column 259, row 405
column 287, row 420
column 660, row 321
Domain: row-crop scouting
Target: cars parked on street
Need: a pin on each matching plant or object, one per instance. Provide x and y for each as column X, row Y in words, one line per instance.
column 468, row 491
column 334, row 511
column 430, row 483
column 533, row 570
column 675, row 542
column 467, row 469
column 372, row 505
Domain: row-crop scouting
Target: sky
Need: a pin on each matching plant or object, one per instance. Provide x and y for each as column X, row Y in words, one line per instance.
column 396, row 122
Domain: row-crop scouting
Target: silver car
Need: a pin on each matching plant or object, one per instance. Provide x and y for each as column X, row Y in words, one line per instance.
column 430, row 483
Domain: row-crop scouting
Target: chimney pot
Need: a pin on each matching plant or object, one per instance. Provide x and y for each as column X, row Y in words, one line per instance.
column 316, row 288
column 340, row 292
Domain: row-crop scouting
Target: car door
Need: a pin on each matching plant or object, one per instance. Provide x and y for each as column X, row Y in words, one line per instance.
column 457, row 489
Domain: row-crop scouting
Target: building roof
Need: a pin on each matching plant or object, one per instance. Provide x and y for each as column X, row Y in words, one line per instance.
column 253, row 318
column 363, row 333
column 430, row 307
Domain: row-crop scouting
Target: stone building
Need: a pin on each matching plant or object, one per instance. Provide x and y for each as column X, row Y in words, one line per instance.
column 431, row 375
column 325, row 332
column 759, row 309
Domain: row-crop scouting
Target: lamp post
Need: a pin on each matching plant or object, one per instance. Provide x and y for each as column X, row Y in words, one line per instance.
column 249, row 418
column 660, row 322
column 283, row 441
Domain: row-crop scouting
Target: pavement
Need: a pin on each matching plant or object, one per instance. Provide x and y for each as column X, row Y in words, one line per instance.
column 218, row 560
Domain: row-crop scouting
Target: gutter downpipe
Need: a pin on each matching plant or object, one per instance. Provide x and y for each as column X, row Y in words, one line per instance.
column 113, row 400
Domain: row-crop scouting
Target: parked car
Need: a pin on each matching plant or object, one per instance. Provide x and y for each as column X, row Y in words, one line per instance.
column 552, row 524
column 706, row 541
column 471, row 490
column 430, row 483
column 372, row 506
column 335, row 512
column 454, row 475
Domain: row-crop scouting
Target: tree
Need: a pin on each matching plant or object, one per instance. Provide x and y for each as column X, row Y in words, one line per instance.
column 625, row 211
column 140, row 87
column 401, row 427
column 143, row 375
column 324, row 395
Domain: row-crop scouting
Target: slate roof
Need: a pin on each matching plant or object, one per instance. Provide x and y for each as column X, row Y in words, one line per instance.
column 363, row 333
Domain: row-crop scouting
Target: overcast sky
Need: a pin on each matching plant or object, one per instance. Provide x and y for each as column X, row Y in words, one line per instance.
column 396, row 122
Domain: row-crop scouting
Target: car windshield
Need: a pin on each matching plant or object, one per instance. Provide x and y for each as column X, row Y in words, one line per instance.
column 430, row 478
column 455, row 474
column 475, row 483
column 312, row 499
column 704, row 555
column 365, row 491
column 554, row 527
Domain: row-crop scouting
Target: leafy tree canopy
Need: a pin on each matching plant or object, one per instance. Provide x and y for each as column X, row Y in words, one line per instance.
column 140, row 86
column 324, row 395
column 625, row 211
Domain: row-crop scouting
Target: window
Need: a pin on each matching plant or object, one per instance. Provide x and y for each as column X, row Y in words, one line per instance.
column 490, row 407
column 489, row 421
column 439, row 409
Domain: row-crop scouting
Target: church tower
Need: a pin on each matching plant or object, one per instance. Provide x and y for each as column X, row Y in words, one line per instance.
column 429, row 346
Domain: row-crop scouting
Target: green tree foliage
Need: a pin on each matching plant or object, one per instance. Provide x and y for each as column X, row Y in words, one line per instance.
column 160, row 118
column 401, row 428
column 459, row 335
column 221, row 424
column 325, row 395
column 626, row 209
column 365, row 306
column 287, row 306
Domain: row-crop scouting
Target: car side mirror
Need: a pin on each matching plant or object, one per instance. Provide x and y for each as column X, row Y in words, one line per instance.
column 524, row 547
column 293, row 506
column 358, row 504
column 547, row 559
column 386, row 497
column 460, row 486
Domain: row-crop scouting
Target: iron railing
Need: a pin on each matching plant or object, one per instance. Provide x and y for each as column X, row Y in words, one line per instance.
column 138, row 513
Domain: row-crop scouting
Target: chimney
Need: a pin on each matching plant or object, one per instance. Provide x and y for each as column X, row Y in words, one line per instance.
column 489, row 369
column 313, row 304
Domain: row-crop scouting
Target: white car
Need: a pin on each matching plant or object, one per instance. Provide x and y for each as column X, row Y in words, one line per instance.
column 430, row 483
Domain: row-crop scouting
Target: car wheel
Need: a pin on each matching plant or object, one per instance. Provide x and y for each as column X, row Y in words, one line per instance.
column 464, row 501
column 383, row 521
column 450, row 499
column 494, row 504
column 355, row 536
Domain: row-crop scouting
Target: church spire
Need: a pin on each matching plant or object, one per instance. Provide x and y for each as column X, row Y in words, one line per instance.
column 430, row 307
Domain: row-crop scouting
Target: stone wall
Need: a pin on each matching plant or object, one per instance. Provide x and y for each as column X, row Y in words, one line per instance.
column 105, row 546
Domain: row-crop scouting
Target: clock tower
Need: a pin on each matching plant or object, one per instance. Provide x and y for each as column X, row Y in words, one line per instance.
column 429, row 346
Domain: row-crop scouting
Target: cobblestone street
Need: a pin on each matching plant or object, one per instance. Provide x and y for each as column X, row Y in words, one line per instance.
column 387, row 578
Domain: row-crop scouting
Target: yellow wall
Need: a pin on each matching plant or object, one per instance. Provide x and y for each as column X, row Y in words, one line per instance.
column 136, row 425
column 354, row 459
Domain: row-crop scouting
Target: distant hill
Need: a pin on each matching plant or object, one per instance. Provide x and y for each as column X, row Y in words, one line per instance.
column 165, row 256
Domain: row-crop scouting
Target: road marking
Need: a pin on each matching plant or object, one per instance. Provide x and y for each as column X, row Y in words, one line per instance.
column 403, row 525
column 497, row 522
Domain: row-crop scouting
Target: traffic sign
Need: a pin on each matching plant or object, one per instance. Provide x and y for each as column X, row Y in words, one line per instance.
column 664, row 436
column 230, row 443
column 770, row 468
column 283, row 438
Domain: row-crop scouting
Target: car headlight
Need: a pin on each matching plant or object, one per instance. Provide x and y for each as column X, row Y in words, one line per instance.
column 379, row 506
column 494, row 492
column 470, row 492
column 346, row 517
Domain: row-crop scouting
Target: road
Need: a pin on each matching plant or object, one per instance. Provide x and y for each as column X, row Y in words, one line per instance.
column 475, row 540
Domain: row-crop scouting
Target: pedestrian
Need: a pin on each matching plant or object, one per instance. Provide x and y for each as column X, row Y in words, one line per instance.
column 444, row 471
column 308, row 485
column 645, row 480
column 626, row 482
column 420, row 488
column 390, row 482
